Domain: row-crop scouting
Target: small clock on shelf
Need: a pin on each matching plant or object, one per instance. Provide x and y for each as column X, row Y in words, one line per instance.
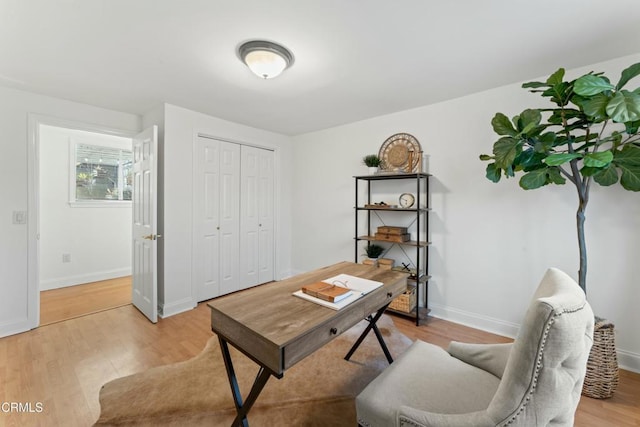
column 406, row 200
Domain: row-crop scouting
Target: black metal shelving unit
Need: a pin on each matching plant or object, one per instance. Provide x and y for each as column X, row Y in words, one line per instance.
column 420, row 225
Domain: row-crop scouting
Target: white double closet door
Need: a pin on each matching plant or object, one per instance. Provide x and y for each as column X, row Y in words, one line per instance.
column 233, row 217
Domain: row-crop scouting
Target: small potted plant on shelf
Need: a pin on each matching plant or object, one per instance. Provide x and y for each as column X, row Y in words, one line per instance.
column 373, row 162
column 373, row 251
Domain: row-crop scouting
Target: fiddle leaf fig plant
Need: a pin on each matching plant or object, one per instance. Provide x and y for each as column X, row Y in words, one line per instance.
column 590, row 134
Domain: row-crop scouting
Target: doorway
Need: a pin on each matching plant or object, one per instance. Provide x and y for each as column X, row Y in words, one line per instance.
column 84, row 221
column 67, row 303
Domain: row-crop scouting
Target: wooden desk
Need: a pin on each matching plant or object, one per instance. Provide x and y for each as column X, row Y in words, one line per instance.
column 276, row 329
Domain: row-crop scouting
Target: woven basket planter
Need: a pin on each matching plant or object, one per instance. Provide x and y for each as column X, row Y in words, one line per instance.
column 602, row 376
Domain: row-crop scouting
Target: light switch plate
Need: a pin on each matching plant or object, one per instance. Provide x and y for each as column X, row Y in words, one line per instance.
column 19, row 217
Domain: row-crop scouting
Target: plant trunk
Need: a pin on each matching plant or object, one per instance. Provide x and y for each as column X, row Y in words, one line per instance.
column 582, row 273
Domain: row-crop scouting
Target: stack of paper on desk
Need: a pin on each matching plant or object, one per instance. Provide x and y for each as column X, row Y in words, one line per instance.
column 357, row 285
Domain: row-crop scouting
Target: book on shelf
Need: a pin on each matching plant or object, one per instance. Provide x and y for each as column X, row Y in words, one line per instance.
column 327, row 291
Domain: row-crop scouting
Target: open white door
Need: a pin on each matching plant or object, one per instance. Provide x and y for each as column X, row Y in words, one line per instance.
column 145, row 250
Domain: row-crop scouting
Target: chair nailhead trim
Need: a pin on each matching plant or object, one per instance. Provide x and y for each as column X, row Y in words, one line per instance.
column 536, row 374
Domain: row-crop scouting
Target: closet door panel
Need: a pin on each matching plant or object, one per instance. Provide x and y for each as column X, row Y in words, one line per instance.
column 249, row 231
column 266, row 210
column 229, row 217
column 206, row 219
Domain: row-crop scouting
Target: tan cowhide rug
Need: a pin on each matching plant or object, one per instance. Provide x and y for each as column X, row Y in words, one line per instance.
column 318, row 391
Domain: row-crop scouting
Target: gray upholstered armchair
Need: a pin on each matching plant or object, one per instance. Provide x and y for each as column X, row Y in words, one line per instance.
column 535, row 381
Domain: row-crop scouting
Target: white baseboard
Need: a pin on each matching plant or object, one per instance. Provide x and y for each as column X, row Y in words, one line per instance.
column 474, row 320
column 285, row 274
column 63, row 282
column 180, row 306
column 629, row 361
column 626, row 359
column 14, row 326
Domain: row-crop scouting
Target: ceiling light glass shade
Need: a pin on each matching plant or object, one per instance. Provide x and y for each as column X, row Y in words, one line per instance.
column 265, row 59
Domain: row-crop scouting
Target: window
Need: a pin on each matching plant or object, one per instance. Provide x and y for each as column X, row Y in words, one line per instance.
column 101, row 174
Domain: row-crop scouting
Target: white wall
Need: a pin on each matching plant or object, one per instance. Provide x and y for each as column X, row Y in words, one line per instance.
column 176, row 175
column 98, row 239
column 16, row 314
column 491, row 242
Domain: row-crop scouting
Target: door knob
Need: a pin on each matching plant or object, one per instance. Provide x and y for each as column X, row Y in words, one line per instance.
column 152, row 236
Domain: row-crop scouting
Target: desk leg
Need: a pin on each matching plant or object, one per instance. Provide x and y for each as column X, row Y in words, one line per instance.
column 258, row 385
column 372, row 325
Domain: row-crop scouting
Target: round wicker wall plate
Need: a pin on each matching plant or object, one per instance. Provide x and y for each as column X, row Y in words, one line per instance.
column 397, row 150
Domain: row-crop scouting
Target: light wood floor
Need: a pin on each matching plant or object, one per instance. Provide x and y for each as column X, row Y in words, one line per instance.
column 74, row 301
column 63, row 365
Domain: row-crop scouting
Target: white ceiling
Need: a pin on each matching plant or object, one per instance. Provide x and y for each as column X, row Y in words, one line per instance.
column 354, row 59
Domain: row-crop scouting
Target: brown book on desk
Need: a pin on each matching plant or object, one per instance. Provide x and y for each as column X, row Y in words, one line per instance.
column 326, row 291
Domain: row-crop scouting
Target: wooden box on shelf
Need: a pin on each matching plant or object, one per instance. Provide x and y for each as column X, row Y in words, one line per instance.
column 369, row 261
column 398, row 238
column 386, row 229
column 406, row 301
column 385, row 263
column 392, row 234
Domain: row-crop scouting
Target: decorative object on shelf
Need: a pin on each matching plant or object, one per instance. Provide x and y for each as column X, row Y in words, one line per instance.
column 373, row 251
column 401, row 153
column 406, row 301
column 590, row 134
column 380, row 205
column 406, row 200
column 373, row 162
column 392, row 234
column 385, row 263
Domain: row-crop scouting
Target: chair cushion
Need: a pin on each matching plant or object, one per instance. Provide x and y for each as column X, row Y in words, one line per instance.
column 425, row 377
column 489, row 357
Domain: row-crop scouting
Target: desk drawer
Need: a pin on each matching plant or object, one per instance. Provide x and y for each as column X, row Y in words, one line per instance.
column 307, row 344
column 384, row 295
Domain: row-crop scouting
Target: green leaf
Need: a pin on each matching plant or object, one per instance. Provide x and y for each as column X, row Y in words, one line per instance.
column 632, row 127
column 527, row 130
column 560, row 158
column 599, row 159
column 555, row 176
column 590, row 85
column 534, row 179
column 629, row 155
column 544, row 142
column 628, row 160
column 630, row 179
column 534, row 85
column 596, row 106
column 502, row 125
column 586, row 171
column 530, row 159
column 527, row 121
column 607, row 176
column 628, row 74
column 624, row 107
column 505, row 151
column 493, row 173
column 556, row 77
column 485, row 157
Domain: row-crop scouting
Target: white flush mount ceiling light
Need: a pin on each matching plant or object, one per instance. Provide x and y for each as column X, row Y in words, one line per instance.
column 265, row 59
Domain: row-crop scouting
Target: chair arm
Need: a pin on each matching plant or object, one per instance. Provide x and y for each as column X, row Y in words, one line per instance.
column 411, row 417
column 488, row 357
